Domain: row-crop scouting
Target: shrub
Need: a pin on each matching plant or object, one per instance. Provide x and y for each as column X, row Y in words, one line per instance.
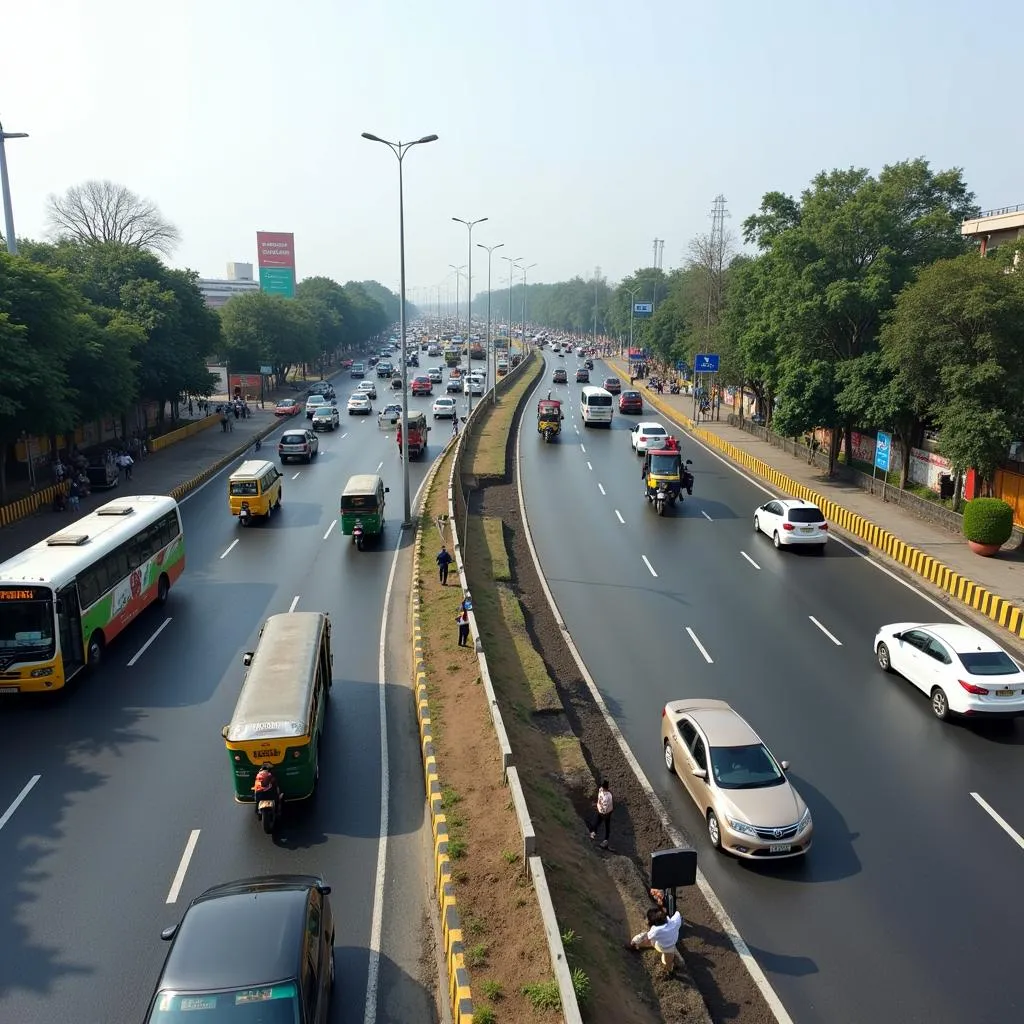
column 988, row 521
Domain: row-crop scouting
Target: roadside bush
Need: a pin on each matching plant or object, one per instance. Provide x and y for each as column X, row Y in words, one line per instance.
column 988, row 521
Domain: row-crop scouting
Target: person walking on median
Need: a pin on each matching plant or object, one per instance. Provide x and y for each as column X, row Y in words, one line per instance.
column 603, row 813
column 662, row 933
column 444, row 559
column 463, row 620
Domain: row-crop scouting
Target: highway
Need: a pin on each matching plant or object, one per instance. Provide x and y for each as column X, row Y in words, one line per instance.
column 906, row 909
column 132, row 815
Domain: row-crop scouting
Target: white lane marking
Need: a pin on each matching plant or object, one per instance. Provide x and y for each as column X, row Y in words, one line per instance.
column 600, row 487
column 838, row 643
column 987, row 807
column 377, row 919
column 379, row 464
column 16, row 802
column 583, row 449
column 145, row 647
column 296, row 476
column 295, row 601
column 750, row 560
column 706, row 516
column 230, row 548
column 334, row 522
column 590, row 467
column 343, row 436
column 621, row 520
column 179, row 875
column 649, row 566
column 699, row 646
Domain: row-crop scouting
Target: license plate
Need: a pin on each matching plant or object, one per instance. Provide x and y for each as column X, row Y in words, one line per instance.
column 780, row 847
column 9, row 689
column 1005, row 693
column 807, row 529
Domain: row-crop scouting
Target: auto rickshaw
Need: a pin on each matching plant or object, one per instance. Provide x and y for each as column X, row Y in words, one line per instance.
column 549, row 418
column 418, row 430
column 665, row 475
column 362, row 508
column 396, row 380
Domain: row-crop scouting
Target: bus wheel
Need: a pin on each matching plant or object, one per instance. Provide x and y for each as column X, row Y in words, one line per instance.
column 96, row 646
column 163, row 589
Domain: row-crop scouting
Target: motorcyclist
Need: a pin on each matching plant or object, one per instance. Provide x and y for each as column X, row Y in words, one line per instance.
column 267, row 788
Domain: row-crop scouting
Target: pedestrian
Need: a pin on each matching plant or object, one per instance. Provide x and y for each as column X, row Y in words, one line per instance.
column 190, row 407
column 455, row 426
column 603, row 813
column 662, row 933
column 463, row 620
column 444, row 559
column 125, row 461
column 74, row 494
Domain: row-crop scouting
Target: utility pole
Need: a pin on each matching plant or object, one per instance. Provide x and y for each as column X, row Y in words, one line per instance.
column 597, row 278
column 659, row 249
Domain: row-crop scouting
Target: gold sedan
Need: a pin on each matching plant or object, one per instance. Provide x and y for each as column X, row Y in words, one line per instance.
column 749, row 806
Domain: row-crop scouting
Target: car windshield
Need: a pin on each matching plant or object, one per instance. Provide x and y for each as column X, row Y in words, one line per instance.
column 629, row 396
column 806, row 515
column 654, row 432
column 746, row 767
column 325, row 413
column 286, row 404
column 271, row 1004
column 988, row 663
column 293, row 439
column 315, row 400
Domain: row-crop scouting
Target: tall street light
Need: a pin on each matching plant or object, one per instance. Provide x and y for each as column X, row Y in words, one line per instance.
column 470, row 224
column 5, row 185
column 400, row 149
column 513, row 265
column 632, row 293
column 458, row 278
column 490, row 354
column 524, row 270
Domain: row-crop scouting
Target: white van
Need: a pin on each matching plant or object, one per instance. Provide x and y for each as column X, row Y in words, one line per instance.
column 596, row 406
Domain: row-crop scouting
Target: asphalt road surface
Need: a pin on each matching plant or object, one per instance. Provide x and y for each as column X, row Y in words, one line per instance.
column 908, row 906
column 132, row 815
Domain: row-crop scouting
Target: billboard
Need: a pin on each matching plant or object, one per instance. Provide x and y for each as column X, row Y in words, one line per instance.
column 276, row 256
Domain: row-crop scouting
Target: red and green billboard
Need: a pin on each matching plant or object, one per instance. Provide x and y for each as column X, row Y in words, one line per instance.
column 276, row 253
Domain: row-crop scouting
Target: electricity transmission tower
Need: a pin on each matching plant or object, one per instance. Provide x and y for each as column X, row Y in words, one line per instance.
column 716, row 261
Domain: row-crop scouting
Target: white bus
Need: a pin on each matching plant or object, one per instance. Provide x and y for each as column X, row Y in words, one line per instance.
column 596, row 406
column 64, row 599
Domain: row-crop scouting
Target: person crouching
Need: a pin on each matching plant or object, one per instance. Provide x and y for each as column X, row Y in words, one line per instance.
column 662, row 933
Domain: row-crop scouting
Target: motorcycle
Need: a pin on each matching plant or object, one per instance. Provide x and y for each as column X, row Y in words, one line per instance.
column 244, row 515
column 674, row 389
column 357, row 535
column 549, row 434
column 661, row 499
column 268, row 800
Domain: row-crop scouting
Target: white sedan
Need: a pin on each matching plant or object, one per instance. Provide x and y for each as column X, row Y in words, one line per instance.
column 644, row 435
column 473, row 386
column 360, row 403
column 792, row 522
column 963, row 671
column 444, row 408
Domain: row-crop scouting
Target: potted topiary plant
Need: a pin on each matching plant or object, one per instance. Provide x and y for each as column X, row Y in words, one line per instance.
column 988, row 524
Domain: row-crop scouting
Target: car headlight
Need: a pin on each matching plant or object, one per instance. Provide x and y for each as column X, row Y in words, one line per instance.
column 805, row 820
column 742, row 827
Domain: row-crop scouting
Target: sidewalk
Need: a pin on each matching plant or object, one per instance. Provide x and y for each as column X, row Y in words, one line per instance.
column 182, row 465
column 932, row 554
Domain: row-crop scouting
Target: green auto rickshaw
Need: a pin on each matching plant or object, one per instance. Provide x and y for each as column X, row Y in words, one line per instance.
column 362, row 508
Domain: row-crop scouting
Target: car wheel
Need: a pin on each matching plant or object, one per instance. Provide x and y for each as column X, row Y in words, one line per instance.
column 940, row 704
column 757, row 525
column 775, row 539
column 714, row 832
column 884, row 661
column 669, row 762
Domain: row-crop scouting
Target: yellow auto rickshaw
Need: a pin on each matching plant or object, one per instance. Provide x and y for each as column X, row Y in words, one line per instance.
column 254, row 489
column 549, row 418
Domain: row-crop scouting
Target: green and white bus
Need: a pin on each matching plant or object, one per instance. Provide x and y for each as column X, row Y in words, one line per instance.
column 64, row 599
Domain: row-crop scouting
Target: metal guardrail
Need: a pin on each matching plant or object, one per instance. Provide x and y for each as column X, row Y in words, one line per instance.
column 1002, row 211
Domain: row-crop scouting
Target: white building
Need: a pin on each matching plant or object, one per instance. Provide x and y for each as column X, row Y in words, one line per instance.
column 217, row 290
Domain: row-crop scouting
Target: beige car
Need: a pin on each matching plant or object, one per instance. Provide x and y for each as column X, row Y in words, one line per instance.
column 750, row 808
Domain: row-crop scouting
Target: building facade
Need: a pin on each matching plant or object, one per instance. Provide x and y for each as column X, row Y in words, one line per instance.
column 217, row 290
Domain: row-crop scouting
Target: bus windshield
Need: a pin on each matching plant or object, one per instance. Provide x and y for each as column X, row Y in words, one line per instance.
column 26, row 624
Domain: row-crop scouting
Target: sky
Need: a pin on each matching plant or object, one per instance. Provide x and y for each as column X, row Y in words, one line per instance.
column 581, row 130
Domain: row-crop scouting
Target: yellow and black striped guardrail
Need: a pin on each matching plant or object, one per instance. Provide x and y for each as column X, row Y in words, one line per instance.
column 1001, row 611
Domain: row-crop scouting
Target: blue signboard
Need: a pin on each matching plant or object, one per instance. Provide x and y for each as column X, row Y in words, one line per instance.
column 705, row 363
column 883, row 451
column 643, row 308
column 681, row 365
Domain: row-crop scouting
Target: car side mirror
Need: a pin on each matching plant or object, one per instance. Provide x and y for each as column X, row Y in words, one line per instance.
column 224, row 732
column 387, row 490
column 689, row 462
column 168, row 933
column 700, row 773
column 324, row 890
column 897, row 636
column 247, row 658
column 784, row 765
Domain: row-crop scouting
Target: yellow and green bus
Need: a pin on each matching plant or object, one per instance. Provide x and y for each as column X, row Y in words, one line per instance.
column 64, row 599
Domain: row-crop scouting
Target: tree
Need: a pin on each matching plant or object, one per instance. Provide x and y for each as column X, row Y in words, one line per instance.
column 103, row 211
column 331, row 311
column 261, row 329
column 955, row 344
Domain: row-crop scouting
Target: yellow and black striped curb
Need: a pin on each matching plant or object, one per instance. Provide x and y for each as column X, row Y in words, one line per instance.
column 1001, row 611
column 195, row 427
column 460, row 996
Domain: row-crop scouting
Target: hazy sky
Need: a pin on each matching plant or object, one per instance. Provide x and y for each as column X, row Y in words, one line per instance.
column 582, row 130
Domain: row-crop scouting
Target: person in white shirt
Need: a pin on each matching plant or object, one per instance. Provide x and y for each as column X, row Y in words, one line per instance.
column 603, row 807
column 662, row 933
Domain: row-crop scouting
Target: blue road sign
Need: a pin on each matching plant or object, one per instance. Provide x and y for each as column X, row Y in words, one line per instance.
column 681, row 365
column 643, row 308
column 705, row 363
column 883, row 451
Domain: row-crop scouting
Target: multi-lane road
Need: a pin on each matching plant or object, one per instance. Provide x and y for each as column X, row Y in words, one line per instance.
column 908, row 907
column 132, row 813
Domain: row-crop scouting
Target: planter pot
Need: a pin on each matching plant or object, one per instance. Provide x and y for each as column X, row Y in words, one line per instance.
column 987, row 550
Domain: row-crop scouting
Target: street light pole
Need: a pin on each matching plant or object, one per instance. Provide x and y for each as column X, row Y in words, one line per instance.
column 5, row 185
column 470, row 224
column 491, row 354
column 524, row 270
column 400, row 149
column 632, row 301
column 513, row 265
column 458, row 277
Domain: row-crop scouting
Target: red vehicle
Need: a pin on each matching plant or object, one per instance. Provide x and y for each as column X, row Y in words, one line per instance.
column 631, row 401
column 418, row 431
column 422, row 386
column 287, row 407
column 612, row 385
column 346, row 364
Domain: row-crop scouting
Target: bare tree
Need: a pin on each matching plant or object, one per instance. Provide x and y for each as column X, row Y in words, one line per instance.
column 103, row 211
column 711, row 254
